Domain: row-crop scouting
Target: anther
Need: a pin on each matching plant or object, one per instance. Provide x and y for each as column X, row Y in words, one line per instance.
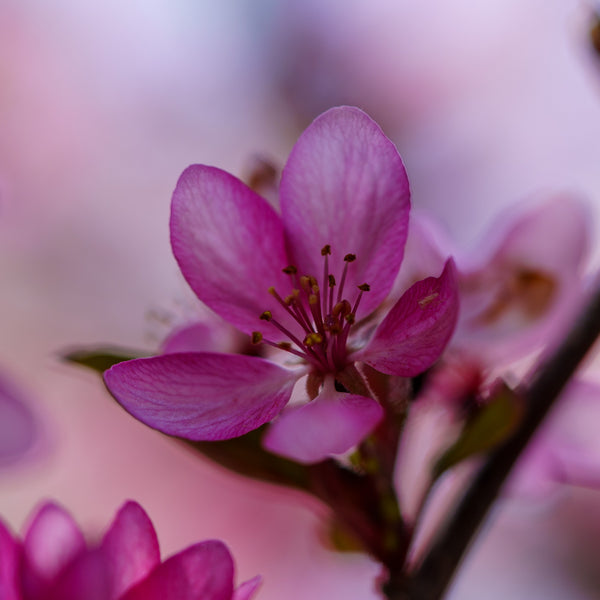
column 364, row 287
column 325, row 250
column 284, row 345
column 290, row 270
column 257, row 337
column 342, row 308
column 266, row 316
column 313, row 338
column 350, row 258
column 331, row 281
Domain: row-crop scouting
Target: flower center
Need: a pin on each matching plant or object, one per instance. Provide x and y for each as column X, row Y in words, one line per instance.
column 321, row 316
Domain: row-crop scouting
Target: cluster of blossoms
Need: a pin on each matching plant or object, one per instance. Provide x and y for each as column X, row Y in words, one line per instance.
column 54, row 562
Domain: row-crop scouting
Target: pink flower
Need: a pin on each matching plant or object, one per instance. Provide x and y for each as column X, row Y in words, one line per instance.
column 520, row 286
column 53, row 562
column 304, row 282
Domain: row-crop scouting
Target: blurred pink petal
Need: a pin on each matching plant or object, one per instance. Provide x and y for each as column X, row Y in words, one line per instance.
column 247, row 589
column 52, row 541
column 521, row 287
column 9, row 565
column 566, row 448
column 202, row 571
column 130, row 548
column 18, row 427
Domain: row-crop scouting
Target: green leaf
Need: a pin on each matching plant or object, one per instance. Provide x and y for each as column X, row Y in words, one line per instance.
column 490, row 426
column 100, row 359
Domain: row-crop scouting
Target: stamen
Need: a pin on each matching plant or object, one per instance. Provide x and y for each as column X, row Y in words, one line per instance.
column 313, row 339
column 325, row 321
column 290, row 300
column 347, row 260
column 325, row 251
column 292, row 271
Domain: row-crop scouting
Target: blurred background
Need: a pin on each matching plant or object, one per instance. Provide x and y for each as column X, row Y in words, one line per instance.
column 102, row 105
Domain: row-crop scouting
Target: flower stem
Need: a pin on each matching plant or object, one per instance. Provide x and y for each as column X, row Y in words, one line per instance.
column 431, row 579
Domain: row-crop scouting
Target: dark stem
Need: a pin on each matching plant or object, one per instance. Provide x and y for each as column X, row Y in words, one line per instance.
column 432, row 578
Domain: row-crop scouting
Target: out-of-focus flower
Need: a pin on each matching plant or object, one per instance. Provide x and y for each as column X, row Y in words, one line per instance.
column 18, row 427
column 344, row 199
column 520, row 286
column 566, row 448
column 53, row 562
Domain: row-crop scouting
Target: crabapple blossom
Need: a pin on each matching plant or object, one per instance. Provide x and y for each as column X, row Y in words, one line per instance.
column 305, row 282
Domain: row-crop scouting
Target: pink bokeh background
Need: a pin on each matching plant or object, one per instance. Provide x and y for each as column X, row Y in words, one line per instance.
column 102, row 105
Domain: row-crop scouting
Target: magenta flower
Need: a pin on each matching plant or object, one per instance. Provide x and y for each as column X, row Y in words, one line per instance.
column 303, row 282
column 53, row 562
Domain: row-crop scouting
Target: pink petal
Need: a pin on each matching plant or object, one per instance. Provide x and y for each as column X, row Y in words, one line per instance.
column 246, row 590
column 523, row 285
column 211, row 335
column 84, row 578
column 229, row 245
column 18, row 428
column 197, row 337
column 130, row 548
column 553, row 236
column 201, row 572
column 52, row 541
column 331, row 424
column 566, row 448
column 9, row 560
column 416, row 330
column 201, row 396
column 345, row 185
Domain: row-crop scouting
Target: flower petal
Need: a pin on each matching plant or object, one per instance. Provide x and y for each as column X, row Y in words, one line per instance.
column 523, row 285
column 246, row 590
column 203, row 571
column 331, row 424
column 9, row 560
column 201, row 396
column 345, row 185
column 85, row 577
column 130, row 548
column 416, row 330
column 18, row 428
column 215, row 335
column 229, row 245
column 52, row 541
